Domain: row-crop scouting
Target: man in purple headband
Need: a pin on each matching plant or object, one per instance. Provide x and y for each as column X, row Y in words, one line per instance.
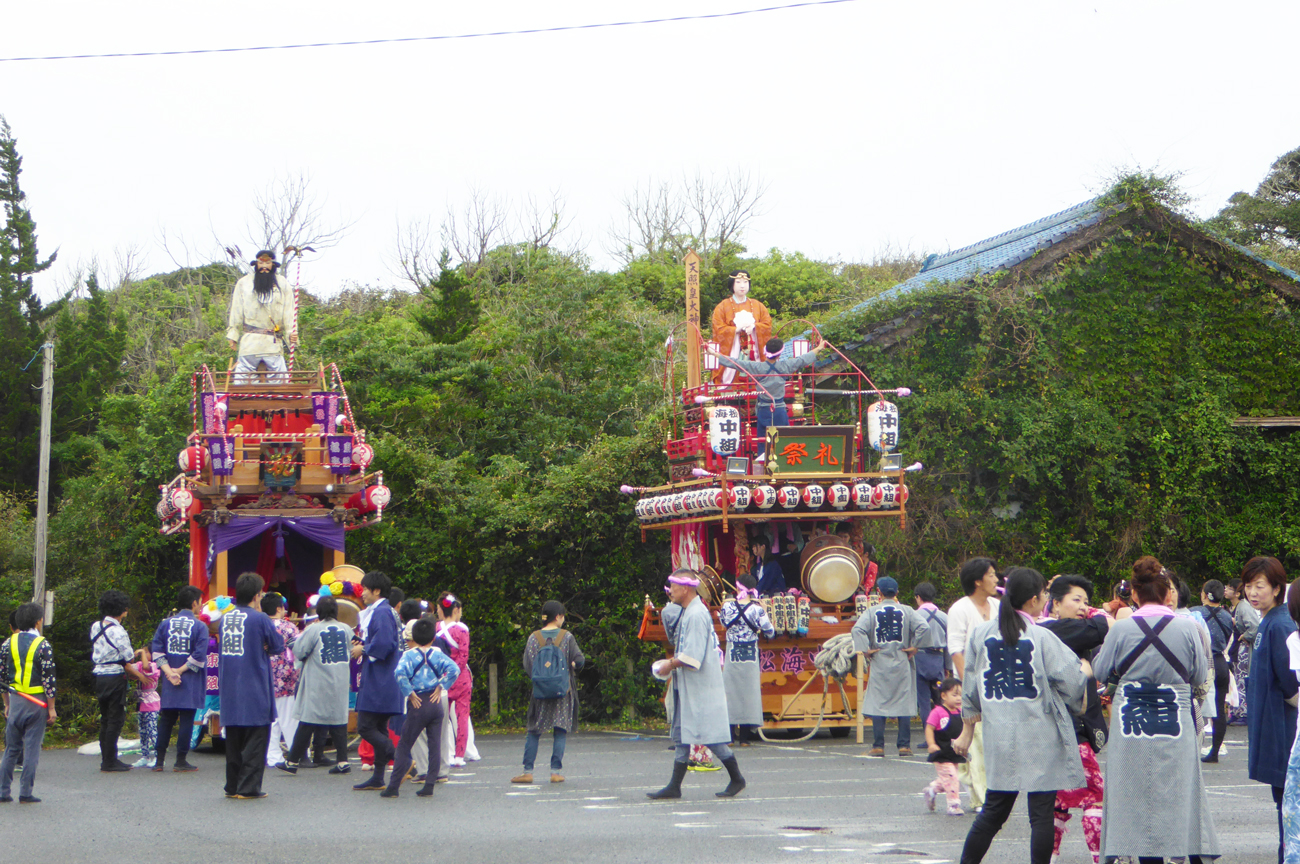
column 771, row 375
column 698, row 703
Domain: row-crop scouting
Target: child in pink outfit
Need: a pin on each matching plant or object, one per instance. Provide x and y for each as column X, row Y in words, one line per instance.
column 456, row 635
column 150, row 701
column 943, row 726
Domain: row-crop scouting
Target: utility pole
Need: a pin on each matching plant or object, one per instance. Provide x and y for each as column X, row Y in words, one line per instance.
column 43, row 478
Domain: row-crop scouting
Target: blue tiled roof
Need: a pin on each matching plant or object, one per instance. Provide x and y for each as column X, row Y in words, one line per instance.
column 1010, row 248
column 996, row 253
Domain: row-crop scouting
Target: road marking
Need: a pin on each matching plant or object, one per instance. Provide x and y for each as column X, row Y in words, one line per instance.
column 690, row 812
column 693, row 825
column 602, row 798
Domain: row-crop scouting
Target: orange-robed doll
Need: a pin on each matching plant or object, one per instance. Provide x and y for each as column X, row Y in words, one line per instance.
column 741, row 326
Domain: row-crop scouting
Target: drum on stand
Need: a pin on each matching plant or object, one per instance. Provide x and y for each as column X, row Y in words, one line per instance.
column 711, row 586
column 830, row 569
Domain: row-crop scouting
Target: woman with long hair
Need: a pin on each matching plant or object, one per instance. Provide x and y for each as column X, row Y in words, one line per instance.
column 1271, row 689
column 1019, row 680
column 1156, row 658
column 1246, row 621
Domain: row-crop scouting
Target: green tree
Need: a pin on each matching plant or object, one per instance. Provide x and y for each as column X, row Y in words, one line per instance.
column 1270, row 218
column 21, row 317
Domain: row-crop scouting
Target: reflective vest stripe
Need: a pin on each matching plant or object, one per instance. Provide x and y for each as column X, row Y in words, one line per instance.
column 23, row 673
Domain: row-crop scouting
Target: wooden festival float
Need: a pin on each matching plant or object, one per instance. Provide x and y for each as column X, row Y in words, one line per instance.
column 274, row 474
column 822, row 474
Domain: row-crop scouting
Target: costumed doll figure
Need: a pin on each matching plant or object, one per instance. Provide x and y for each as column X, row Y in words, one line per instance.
column 454, row 632
column 261, row 314
column 741, row 325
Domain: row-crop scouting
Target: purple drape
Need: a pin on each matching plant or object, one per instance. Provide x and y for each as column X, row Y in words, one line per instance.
column 322, row 530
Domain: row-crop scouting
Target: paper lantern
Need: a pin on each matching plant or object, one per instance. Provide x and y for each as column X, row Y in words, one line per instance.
column 882, row 426
column 838, row 496
column 182, row 499
column 724, row 430
column 193, row 459
column 799, row 346
column 711, row 361
column 814, row 496
column 765, row 497
column 369, row 500
column 888, row 495
column 738, row 497
column 362, row 455
column 789, row 497
column 862, row 495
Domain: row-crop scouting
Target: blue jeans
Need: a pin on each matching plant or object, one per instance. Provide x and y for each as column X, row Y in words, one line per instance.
column 769, row 415
column 557, row 749
column 904, row 732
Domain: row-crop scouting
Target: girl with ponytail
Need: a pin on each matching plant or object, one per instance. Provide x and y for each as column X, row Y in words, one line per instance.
column 1021, row 683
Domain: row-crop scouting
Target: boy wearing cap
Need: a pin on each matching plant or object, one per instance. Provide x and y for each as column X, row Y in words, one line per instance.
column 890, row 634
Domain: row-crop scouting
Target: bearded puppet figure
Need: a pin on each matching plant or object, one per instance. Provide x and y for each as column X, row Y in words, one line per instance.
column 741, row 326
column 261, row 319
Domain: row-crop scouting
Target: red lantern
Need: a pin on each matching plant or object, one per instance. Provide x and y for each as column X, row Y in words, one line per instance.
column 182, row 499
column 193, row 459
column 370, row 499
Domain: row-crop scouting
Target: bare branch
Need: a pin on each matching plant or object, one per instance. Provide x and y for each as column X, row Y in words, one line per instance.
column 288, row 216
column 471, row 234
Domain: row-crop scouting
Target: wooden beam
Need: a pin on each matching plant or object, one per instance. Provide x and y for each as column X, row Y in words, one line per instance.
column 1267, row 422
column 221, row 587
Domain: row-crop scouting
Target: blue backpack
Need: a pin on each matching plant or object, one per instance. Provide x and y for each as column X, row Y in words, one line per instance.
column 550, row 667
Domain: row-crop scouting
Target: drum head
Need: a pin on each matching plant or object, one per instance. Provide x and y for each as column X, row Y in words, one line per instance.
column 349, row 612
column 832, row 574
column 348, row 573
column 710, row 589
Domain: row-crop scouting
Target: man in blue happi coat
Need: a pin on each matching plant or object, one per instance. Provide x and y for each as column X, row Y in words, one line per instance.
column 379, row 697
column 180, row 648
column 247, row 641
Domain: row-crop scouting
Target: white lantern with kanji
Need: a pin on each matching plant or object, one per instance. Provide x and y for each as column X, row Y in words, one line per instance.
column 789, row 497
column 814, row 496
column 724, row 430
column 888, row 495
column 765, row 497
column 738, row 497
column 838, row 496
column 882, row 426
column 862, row 495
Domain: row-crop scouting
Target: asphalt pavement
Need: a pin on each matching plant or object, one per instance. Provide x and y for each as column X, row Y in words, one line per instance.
column 821, row 800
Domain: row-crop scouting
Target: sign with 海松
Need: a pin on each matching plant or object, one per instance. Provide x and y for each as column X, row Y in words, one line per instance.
column 725, row 430
column 810, row 449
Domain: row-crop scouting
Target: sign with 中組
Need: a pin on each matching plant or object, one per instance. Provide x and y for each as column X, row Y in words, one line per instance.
column 882, row 426
column 724, row 430
column 810, row 449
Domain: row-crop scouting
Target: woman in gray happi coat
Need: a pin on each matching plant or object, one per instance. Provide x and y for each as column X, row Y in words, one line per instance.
column 1021, row 684
column 1153, row 755
column 697, row 711
column 322, row 700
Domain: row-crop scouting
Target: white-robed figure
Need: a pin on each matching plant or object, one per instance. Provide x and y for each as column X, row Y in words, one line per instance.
column 744, row 620
column 889, row 634
column 698, row 702
column 1153, row 756
column 261, row 315
column 1021, row 684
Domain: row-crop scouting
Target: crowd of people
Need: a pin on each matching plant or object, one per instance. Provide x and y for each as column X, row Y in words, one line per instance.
column 1011, row 684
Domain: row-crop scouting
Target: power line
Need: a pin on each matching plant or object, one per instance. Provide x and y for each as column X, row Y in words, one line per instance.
column 427, row 38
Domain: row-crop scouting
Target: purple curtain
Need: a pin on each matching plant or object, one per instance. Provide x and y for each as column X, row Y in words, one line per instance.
column 322, row 530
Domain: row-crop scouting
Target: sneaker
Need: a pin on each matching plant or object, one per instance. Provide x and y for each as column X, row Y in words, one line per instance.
column 526, row 777
column 469, row 758
column 418, row 778
column 341, row 768
column 287, row 767
column 444, row 779
column 368, row 786
column 905, row 752
column 365, row 767
column 929, row 796
column 6, row 799
column 1208, row 759
column 119, row 765
column 456, row 761
column 28, row 799
column 424, row 792
column 955, row 810
column 557, row 778
column 250, row 797
column 877, row 752
column 182, row 766
column 157, row 766
column 323, row 761
column 388, row 793
column 142, row 762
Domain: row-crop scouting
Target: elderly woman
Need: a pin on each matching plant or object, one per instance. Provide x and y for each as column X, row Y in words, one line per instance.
column 1019, row 679
column 1157, row 658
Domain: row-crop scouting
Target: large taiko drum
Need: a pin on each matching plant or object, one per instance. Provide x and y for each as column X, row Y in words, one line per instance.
column 831, row 569
column 711, row 586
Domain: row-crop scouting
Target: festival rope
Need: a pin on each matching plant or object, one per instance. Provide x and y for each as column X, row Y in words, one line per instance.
column 293, row 333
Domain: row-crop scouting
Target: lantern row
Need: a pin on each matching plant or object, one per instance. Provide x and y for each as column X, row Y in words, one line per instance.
column 704, row 502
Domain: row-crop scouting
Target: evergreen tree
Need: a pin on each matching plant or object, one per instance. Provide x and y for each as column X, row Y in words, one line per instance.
column 1271, row 217
column 21, row 314
column 91, row 342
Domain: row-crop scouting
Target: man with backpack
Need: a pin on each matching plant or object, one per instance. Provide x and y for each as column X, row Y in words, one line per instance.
column 932, row 661
column 551, row 658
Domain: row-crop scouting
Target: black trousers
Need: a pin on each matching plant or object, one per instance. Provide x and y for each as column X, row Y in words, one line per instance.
column 110, row 690
column 309, row 731
column 997, row 807
column 373, row 727
column 1220, row 723
column 1191, row 859
column 425, row 720
column 245, row 758
column 184, row 723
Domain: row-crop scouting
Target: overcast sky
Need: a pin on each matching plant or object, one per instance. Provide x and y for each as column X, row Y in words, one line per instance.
column 921, row 125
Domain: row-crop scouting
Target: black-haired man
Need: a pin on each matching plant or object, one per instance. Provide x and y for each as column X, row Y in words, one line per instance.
column 180, row 646
column 111, row 652
column 248, row 639
column 378, row 697
column 27, row 678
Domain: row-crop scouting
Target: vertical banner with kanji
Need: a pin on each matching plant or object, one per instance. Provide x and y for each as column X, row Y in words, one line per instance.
column 693, row 335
